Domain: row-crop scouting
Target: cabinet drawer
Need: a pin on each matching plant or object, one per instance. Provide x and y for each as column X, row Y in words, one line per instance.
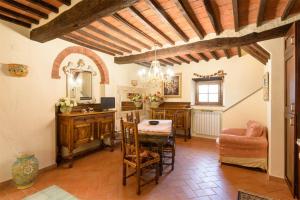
column 84, row 119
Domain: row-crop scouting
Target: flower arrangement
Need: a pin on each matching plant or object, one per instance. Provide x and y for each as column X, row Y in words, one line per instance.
column 137, row 99
column 157, row 97
column 66, row 104
column 154, row 99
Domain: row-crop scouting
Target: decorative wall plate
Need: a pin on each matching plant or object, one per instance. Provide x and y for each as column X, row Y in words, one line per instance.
column 17, row 70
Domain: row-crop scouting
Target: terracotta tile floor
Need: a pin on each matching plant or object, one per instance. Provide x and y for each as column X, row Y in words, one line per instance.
column 197, row 175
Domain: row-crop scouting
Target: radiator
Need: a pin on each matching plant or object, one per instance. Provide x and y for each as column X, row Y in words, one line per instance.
column 206, row 123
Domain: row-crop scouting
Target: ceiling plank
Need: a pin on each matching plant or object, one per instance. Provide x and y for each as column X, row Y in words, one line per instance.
column 15, row 21
column 66, row 2
column 212, row 16
column 167, row 19
column 182, row 59
column 235, row 12
column 149, row 24
column 95, row 38
column 80, row 15
column 123, row 33
column 66, row 38
column 226, row 53
column 84, row 40
column 136, row 29
column 143, row 64
column 44, row 5
column 203, row 57
column 214, row 55
column 192, row 58
column 25, row 8
column 111, row 37
column 261, row 12
column 189, row 15
column 19, row 16
column 174, row 61
column 288, row 8
column 207, row 45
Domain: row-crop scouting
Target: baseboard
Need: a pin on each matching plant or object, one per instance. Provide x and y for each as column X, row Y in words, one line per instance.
column 204, row 138
column 276, row 179
column 42, row 170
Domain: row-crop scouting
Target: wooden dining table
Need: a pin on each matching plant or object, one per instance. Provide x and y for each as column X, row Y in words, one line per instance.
column 155, row 134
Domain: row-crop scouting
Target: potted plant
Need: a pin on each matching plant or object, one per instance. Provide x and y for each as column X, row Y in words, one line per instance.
column 66, row 104
column 137, row 99
column 155, row 99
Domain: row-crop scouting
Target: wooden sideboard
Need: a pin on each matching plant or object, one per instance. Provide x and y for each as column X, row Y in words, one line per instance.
column 179, row 112
column 77, row 129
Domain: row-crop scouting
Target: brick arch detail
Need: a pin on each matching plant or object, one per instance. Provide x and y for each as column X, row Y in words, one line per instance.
column 84, row 51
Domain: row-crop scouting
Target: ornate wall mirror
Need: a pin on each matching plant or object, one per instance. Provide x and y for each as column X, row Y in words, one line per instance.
column 79, row 81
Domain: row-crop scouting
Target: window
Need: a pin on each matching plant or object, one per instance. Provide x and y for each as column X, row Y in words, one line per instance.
column 209, row 93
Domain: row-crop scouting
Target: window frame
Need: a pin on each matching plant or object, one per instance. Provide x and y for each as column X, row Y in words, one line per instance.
column 209, row 82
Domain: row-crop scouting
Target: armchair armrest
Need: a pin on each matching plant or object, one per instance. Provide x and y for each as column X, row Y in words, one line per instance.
column 234, row 131
column 243, row 142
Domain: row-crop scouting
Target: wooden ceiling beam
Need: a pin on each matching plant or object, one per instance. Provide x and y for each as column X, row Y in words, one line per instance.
column 261, row 50
column 81, row 14
column 239, row 51
column 91, row 43
column 25, row 8
column 250, row 50
column 261, row 12
column 182, row 59
column 189, row 15
column 207, row 45
column 192, row 58
column 165, row 62
column 44, row 5
column 15, row 21
column 287, row 10
column 111, row 37
column 212, row 16
column 123, row 33
column 173, row 61
column 214, row 55
column 143, row 64
column 167, row 19
column 203, row 57
column 226, row 53
column 19, row 16
column 66, row 38
column 66, row 2
column 235, row 13
column 143, row 20
column 101, row 41
column 136, row 29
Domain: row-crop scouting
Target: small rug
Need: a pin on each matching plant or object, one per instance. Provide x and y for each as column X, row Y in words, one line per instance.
column 51, row 193
column 242, row 195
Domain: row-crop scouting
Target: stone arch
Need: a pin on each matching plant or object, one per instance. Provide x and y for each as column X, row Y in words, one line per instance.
column 84, row 51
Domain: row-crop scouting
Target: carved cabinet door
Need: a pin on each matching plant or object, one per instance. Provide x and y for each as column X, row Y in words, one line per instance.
column 83, row 133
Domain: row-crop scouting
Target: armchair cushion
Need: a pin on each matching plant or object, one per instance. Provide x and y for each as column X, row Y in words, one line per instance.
column 234, row 131
column 254, row 129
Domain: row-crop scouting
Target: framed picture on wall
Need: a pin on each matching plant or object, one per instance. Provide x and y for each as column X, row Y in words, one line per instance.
column 266, row 87
column 172, row 88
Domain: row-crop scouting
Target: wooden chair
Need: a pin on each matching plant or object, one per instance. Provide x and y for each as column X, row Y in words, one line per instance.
column 137, row 116
column 134, row 157
column 169, row 149
column 129, row 117
column 158, row 114
column 108, row 131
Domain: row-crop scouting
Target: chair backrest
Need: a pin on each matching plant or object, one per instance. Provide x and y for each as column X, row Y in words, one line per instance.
column 137, row 116
column 130, row 140
column 180, row 119
column 158, row 114
column 129, row 117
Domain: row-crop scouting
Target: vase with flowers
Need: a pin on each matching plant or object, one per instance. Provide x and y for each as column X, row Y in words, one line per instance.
column 66, row 104
column 155, row 99
column 137, row 99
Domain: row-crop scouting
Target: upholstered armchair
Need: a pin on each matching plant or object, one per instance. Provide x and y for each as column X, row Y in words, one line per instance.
column 246, row 147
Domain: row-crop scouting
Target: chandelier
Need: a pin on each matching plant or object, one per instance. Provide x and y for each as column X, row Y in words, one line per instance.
column 156, row 74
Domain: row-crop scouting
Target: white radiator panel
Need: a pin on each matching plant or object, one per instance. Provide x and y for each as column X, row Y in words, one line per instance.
column 206, row 123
